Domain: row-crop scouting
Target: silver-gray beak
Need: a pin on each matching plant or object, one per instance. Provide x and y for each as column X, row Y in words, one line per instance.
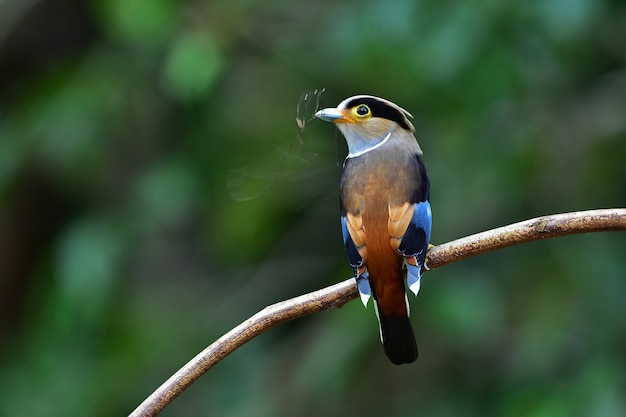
column 329, row 115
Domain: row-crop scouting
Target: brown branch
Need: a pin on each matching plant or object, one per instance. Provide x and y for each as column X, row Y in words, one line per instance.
column 534, row 229
column 337, row 295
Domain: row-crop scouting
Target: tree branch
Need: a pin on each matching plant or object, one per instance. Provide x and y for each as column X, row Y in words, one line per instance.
column 337, row 295
column 608, row 220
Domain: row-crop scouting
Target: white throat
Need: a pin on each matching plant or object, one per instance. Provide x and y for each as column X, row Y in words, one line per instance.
column 359, row 152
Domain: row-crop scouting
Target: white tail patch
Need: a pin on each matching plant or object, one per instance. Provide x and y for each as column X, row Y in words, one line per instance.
column 408, row 308
column 414, row 277
column 415, row 287
column 364, row 289
column 380, row 328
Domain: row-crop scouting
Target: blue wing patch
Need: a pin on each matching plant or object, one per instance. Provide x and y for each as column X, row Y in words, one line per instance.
column 356, row 261
column 415, row 243
column 354, row 257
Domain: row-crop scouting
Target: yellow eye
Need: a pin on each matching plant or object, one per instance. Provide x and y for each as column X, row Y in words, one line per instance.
column 362, row 111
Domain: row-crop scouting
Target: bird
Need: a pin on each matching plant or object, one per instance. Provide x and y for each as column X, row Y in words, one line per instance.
column 386, row 218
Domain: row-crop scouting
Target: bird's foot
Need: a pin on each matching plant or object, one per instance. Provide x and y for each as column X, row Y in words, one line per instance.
column 430, row 246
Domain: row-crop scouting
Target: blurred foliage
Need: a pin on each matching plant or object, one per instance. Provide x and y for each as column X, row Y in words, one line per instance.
column 155, row 192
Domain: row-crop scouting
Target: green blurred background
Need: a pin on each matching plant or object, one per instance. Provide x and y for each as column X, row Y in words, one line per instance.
column 155, row 191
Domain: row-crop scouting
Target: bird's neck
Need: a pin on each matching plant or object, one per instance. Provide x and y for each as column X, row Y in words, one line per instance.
column 360, row 148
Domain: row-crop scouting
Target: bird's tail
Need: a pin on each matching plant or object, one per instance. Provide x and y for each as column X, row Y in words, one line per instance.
column 398, row 339
column 386, row 279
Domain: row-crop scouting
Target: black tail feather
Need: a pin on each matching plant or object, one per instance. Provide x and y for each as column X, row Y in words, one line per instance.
column 398, row 339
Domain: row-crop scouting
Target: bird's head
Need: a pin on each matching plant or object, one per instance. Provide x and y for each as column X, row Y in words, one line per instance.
column 366, row 120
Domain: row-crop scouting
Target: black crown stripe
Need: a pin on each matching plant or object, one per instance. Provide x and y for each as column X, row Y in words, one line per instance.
column 382, row 109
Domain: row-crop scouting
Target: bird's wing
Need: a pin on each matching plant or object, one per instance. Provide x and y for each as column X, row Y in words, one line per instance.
column 354, row 241
column 410, row 224
column 409, row 229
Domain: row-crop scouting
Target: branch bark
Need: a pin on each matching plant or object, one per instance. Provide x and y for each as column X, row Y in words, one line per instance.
column 337, row 295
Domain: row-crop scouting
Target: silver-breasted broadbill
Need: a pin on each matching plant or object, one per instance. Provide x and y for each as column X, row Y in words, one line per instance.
column 385, row 212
